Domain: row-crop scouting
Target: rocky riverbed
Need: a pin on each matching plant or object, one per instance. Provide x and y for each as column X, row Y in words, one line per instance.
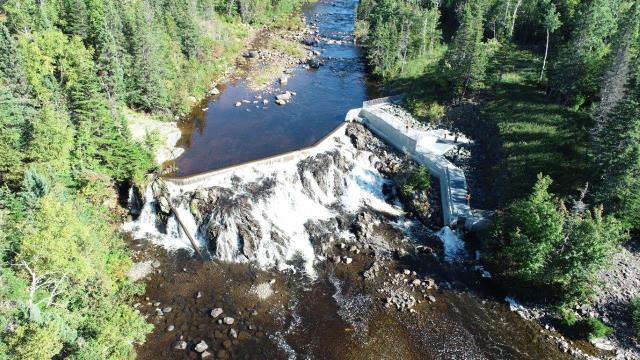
column 380, row 287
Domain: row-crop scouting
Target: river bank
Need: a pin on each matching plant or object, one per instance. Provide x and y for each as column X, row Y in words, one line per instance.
column 266, row 58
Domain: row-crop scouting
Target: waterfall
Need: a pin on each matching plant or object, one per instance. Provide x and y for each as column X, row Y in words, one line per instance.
column 264, row 213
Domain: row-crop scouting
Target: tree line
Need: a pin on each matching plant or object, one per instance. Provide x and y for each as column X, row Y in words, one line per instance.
column 69, row 72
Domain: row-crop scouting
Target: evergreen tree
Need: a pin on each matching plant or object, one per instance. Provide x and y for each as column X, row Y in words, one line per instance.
column 615, row 141
column 468, row 56
column 12, row 139
column 534, row 230
column 146, row 89
column 577, row 73
column 75, row 18
column 104, row 32
column 540, row 245
column 10, row 63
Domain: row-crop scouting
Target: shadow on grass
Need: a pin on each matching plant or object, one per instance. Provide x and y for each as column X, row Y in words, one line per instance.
column 536, row 134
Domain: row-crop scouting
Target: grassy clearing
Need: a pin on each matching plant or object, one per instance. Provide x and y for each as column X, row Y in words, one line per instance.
column 523, row 131
column 536, row 134
column 287, row 47
column 260, row 77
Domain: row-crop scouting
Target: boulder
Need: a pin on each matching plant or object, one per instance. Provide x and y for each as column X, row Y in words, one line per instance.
column 238, row 103
column 201, row 346
column 180, row 345
column 228, row 320
column 280, row 102
column 214, row 91
column 251, row 54
column 284, row 80
column 205, row 354
column 285, row 96
column 309, row 40
column 314, row 63
column 216, row 312
column 233, row 333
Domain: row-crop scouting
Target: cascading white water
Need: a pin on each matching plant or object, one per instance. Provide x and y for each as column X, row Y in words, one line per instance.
column 453, row 246
column 300, row 191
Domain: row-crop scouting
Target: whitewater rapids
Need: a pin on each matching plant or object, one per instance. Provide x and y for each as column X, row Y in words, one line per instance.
column 277, row 202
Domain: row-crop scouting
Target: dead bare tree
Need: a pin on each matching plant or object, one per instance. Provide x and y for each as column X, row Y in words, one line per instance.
column 47, row 281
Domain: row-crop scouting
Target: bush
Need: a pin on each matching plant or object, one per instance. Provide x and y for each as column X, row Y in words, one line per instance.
column 567, row 316
column 419, row 180
column 594, row 328
column 545, row 249
column 634, row 308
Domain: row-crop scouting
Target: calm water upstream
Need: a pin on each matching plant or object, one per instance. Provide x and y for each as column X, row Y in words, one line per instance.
column 226, row 134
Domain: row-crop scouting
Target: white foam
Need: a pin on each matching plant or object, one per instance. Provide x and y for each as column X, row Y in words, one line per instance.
column 285, row 211
column 453, row 245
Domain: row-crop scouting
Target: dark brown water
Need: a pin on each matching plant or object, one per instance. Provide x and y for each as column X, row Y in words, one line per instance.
column 226, row 134
column 336, row 316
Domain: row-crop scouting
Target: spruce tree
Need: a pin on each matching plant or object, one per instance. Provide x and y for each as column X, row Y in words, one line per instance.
column 615, row 138
column 75, row 18
column 467, row 55
column 146, row 88
column 577, row 73
column 12, row 131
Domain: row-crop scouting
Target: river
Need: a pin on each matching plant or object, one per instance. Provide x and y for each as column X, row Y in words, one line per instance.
column 335, row 314
column 226, row 135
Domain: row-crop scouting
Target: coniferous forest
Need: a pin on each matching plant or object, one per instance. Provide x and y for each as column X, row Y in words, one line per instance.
column 70, row 72
column 552, row 90
column 549, row 89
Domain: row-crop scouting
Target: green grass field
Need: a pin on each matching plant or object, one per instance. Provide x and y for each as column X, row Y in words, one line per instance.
column 536, row 135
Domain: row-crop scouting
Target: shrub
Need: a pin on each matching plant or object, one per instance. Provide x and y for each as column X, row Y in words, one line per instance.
column 419, row 180
column 567, row 316
column 594, row 328
column 634, row 307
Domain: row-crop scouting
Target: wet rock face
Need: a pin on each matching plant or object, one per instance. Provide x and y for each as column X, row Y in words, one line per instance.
column 223, row 212
column 363, row 226
column 163, row 208
column 322, row 232
column 321, row 169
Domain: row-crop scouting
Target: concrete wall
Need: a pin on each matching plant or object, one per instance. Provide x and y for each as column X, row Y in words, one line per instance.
column 390, row 129
column 288, row 156
column 453, row 185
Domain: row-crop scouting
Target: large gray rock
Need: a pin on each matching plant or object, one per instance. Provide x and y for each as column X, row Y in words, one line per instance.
column 216, row 312
column 284, row 96
column 201, row 346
